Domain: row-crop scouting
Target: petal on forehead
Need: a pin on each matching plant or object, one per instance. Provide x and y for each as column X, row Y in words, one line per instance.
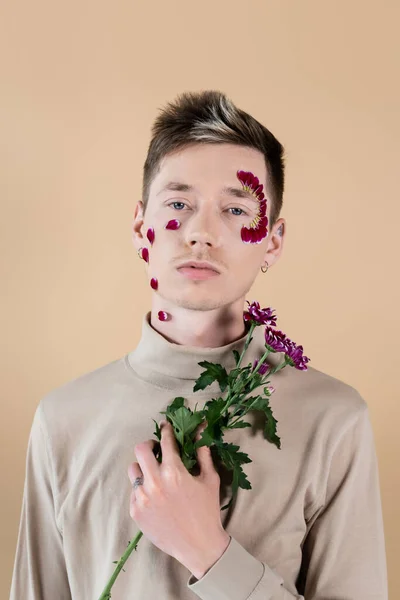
column 247, row 178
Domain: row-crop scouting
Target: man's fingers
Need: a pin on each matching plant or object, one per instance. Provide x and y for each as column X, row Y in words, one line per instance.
column 169, row 445
column 145, row 457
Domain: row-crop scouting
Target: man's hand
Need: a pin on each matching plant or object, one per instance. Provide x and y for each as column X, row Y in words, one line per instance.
column 177, row 512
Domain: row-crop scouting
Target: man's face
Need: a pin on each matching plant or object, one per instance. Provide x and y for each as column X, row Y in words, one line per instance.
column 210, row 225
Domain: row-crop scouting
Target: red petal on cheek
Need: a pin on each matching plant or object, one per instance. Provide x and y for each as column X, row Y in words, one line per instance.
column 150, row 235
column 173, row 224
column 145, row 254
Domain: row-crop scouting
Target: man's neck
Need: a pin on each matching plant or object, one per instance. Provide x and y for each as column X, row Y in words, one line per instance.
column 204, row 329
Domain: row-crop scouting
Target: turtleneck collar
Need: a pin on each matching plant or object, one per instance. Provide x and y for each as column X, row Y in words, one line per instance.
column 175, row 367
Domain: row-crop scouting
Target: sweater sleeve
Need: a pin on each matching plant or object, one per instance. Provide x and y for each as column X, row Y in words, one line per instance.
column 344, row 551
column 39, row 568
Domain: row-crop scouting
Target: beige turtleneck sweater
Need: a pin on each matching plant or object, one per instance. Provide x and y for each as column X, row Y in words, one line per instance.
column 310, row 528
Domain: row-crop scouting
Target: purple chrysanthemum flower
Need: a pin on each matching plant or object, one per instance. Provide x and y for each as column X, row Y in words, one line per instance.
column 173, row 224
column 154, row 283
column 261, row 316
column 150, row 235
column 295, row 356
column 279, row 342
column 276, row 339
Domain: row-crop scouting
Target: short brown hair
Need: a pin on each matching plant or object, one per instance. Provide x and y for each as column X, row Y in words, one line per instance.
column 210, row 117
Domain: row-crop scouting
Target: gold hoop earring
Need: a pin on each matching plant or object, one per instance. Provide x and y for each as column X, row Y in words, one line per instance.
column 262, row 268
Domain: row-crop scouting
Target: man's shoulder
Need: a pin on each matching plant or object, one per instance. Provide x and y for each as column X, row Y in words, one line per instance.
column 85, row 393
column 317, row 393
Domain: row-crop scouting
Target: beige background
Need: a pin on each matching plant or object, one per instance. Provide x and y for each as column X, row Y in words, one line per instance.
column 81, row 83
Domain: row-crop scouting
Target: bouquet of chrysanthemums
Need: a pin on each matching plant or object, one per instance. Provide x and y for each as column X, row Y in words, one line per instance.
column 221, row 414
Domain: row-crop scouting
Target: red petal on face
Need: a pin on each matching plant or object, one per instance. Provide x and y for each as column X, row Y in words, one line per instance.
column 253, row 236
column 173, row 224
column 263, row 206
column 262, row 213
column 241, row 175
column 263, row 234
column 260, row 233
column 154, row 283
column 244, row 177
column 150, row 235
column 255, row 183
column 162, row 315
column 245, row 235
column 249, row 179
column 145, row 254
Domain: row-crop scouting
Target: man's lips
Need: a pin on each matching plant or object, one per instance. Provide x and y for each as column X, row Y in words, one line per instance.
column 197, row 273
column 199, row 265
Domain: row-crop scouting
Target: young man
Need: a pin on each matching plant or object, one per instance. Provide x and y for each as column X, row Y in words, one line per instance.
column 311, row 526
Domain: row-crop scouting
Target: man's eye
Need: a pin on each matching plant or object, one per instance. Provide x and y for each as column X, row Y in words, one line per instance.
column 236, row 208
column 242, row 212
column 176, row 202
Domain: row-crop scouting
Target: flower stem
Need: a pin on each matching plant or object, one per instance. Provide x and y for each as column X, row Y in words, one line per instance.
column 236, row 391
column 106, row 593
column 246, row 345
column 270, row 372
column 229, row 399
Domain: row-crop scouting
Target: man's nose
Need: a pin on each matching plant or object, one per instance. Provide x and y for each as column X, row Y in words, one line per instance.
column 203, row 229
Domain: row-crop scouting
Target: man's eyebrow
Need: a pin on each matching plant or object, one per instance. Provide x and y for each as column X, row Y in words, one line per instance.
column 178, row 186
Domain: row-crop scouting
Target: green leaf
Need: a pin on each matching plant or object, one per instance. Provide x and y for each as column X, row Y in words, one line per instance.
column 250, row 399
column 270, row 425
column 176, row 403
column 232, row 458
column 157, row 432
column 235, row 375
column 238, row 380
column 188, row 462
column 270, row 429
column 215, row 422
column 213, row 372
column 236, row 355
column 185, row 422
column 259, row 403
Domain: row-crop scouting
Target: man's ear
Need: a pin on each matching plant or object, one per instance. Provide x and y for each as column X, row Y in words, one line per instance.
column 137, row 226
column 275, row 242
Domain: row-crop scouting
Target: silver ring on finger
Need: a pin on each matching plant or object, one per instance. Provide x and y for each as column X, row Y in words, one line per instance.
column 138, row 481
